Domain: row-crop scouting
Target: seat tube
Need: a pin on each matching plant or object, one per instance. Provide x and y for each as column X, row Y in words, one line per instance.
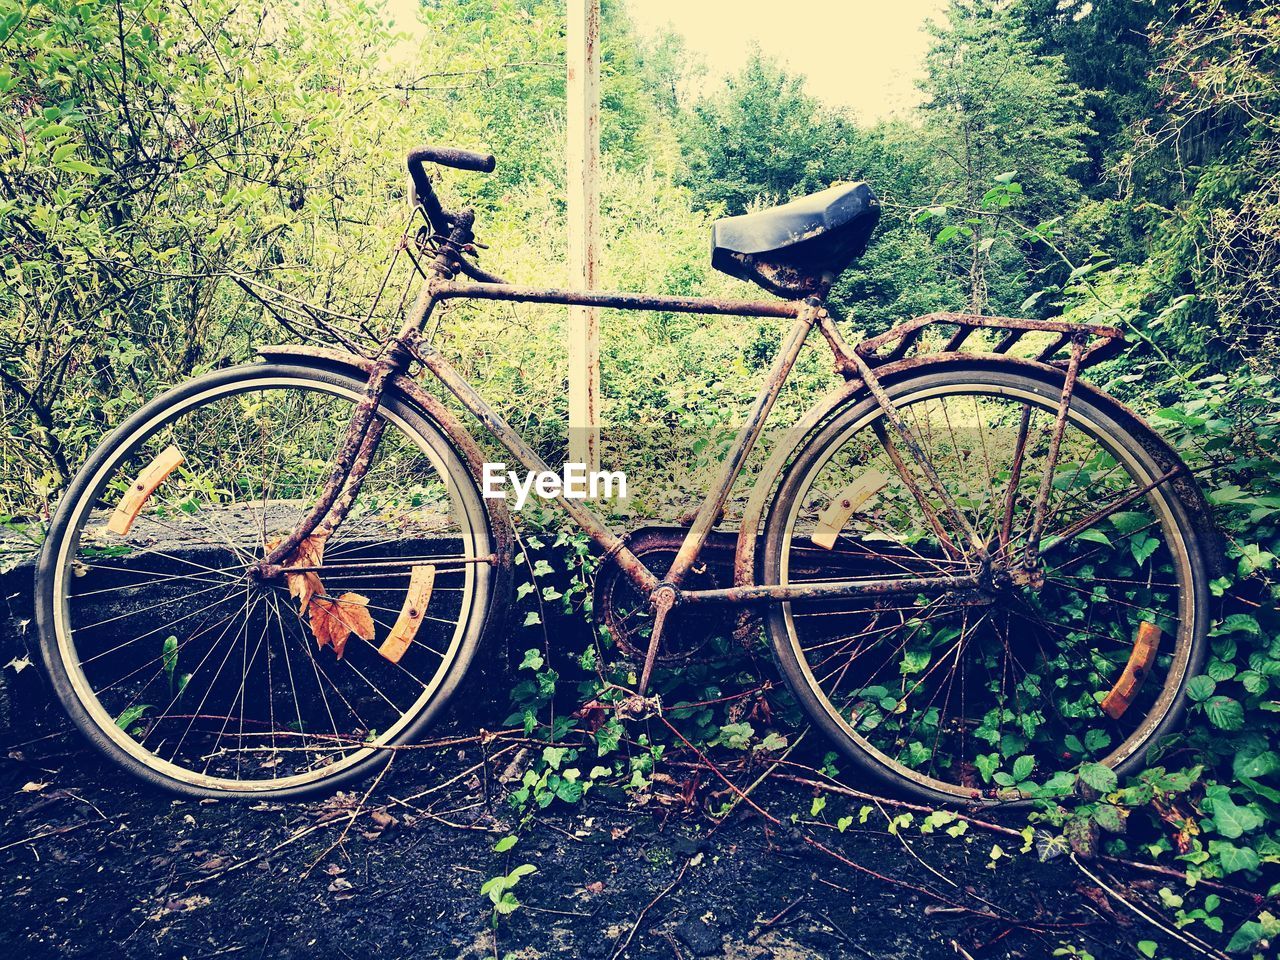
column 709, row 512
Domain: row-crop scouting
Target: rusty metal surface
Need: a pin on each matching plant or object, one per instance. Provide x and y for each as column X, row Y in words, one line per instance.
column 894, row 344
column 865, row 366
column 437, row 412
column 620, row 607
column 768, row 480
column 341, row 475
column 786, row 593
column 911, row 441
column 712, row 506
column 593, row 525
column 1055, row 447
column 836, row 342
column 913, row 487
column 449, row 290
column 1015, row 476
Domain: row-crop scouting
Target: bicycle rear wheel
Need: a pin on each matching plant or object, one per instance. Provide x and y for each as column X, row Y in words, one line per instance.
column 186, row 669
column 982, row 694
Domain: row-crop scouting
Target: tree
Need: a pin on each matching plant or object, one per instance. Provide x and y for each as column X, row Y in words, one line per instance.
column 764, row 136
column 1219, row 136
column 1105, row 47
column 997, row 105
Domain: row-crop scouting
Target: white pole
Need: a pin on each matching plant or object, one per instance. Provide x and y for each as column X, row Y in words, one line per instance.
column 583, row 152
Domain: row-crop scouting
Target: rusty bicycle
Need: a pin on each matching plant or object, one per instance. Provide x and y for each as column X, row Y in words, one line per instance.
column 974, row 569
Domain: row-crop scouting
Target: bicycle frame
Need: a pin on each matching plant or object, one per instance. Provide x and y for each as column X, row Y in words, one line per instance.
column 440, row 286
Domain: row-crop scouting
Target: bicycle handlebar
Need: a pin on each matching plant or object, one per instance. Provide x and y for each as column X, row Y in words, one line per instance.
column 446, row 157
column 453, row 157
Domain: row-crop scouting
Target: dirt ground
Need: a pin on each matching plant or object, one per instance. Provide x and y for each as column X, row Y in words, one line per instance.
column 92, row 865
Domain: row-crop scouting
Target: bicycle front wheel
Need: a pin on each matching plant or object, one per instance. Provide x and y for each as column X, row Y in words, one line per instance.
column 196, row 675
column 982, row 694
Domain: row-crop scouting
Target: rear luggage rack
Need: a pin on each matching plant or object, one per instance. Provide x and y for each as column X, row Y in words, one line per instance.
column 1100, row 343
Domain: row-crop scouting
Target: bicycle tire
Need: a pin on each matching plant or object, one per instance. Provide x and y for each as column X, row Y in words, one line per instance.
column 1042, row 388
column 58, row 556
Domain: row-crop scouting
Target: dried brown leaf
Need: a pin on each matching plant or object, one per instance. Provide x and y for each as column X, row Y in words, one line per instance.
column 334, row 619
column 310, row 553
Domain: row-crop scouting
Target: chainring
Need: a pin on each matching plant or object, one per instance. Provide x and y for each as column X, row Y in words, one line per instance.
column 624, row 609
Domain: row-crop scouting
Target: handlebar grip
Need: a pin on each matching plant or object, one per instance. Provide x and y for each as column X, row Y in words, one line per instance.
column 453, row 157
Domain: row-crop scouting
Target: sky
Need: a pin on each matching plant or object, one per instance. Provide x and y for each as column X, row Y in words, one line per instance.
column 864, row 54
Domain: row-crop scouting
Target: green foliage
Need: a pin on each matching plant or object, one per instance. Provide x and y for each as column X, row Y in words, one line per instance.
column 995, row 105
column 1068, row 158
column 764, row 137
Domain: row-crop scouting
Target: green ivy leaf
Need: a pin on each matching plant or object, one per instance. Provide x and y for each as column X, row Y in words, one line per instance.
column 1099, row 776
column 608, row 737
column 1233, row 820
column 987, row 764
column 1200, row 688
column 1233, row 858
column 1224, row 713
column 1254, row 765
column 554, row 756
column 1109, row 818
column 1097, row 740
column 1094, row 535
column 1237, row 623
column 735, row 736
column 1253, row 932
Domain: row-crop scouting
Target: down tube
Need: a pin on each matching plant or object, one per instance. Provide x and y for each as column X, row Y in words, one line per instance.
column 585, row 517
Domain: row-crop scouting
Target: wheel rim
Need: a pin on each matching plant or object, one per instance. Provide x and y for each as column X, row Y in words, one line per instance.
column 237, row 694
column 922, row 654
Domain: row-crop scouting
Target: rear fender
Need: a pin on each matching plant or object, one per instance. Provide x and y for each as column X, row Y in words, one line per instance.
column 754, row 514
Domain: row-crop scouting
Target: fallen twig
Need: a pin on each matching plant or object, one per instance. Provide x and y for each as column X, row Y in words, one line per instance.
column 809, row 841
column 743, row 795
column 907, row 847
column 766, row 924
column 53, row 831
column 900, row 804
column 355, row 815
column 1238, row 892
column 1189, row 939
column 649, row 906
